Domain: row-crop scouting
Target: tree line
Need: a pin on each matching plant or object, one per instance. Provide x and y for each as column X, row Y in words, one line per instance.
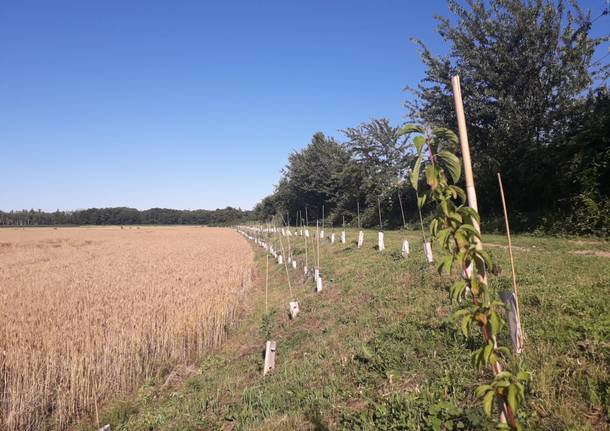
column 126, row 216
column 538, row 111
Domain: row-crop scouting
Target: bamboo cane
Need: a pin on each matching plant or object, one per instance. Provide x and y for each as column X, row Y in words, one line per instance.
column 379, row 211
column 512, row 263
column 402, row 212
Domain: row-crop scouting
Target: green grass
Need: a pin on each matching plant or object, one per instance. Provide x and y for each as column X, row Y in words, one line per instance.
column 376, row 348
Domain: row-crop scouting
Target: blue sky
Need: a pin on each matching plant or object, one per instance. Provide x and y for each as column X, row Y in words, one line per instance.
column 190, row 104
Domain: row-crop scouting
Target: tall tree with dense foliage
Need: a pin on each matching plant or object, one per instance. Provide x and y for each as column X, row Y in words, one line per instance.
column 524, row 67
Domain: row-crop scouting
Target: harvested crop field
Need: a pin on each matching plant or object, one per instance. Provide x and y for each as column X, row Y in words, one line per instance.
column 89, row 313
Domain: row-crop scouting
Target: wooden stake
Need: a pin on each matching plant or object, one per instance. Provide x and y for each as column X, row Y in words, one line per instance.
column 322, row 218
column 461, row 120
column 519, row 346
column 402, row 212
column 379, row 210
column 270, row 348
column 267, row 284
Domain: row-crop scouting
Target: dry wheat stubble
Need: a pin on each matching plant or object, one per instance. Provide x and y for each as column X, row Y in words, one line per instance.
column 88, row 313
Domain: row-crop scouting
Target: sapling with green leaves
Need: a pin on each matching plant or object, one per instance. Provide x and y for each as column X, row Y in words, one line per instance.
column 453, row 227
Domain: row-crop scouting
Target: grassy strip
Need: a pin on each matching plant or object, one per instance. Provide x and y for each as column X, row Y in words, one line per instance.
column 376, row 349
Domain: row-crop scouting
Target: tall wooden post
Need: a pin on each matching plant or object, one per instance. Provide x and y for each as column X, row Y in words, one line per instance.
column 461, row 120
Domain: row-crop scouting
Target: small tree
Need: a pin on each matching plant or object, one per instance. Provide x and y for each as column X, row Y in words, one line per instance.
column 453, row 226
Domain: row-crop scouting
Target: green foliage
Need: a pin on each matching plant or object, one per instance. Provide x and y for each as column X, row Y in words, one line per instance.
column 524, row 67
column 454, row 228
column 410, row 412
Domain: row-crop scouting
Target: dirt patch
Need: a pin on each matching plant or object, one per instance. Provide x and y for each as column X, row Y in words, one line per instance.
column 515, row 247
column 586, row 241
column 592, row 253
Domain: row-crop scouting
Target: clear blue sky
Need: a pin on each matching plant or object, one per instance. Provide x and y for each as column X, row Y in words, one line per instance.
column 190, row 104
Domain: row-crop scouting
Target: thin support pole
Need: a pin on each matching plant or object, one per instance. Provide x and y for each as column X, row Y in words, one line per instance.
column 286, row 267
column 322, row 217
column 267, row 284
column 402, row 212
column 510, row 253
column 318, row 246
column 379, row 211
column 358, row 205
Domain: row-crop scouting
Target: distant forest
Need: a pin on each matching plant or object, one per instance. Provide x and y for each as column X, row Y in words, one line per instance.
column 125, row 216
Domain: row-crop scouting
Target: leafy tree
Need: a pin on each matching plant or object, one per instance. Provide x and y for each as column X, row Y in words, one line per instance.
column 381, row 158
column 312, row 178
column 524, row 66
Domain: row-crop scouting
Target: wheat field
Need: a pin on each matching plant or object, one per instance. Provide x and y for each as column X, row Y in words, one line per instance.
column 89, row 313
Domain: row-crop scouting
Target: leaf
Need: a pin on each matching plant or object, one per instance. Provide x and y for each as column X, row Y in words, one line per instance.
column 421, row 201
column 469, row 229
column 419, row 142
column 523, row 376
column 512, row 397
column 410, row 128
column 431, row 176
column 414, row 177
column 494, row 323
column 487, row 402
column 447, row 135
column 457, row 290
column 433, row 226
column 459, row 313
column 445, row 265
column 452, row 164
column 461, row 194
column 487, row 351
column 486, row 258
column 465, row 325
column 443, row 235
column 482, row 390
column 503, row 375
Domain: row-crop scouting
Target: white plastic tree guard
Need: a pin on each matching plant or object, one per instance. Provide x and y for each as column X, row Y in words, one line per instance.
column 280, row 259
column 513, row 320
column 305, row 270
column 380, row 243
column 332, row 238
column 294, row 264
column 360, row 239
column 316, row 274
column 467, row 272
column 270, row 348
column 293, row 309
column 428, row 251
column 307, row 233
column 322, row 234
column 289, row 260
column 343, row 240
column 405, row 248
column 319, row 284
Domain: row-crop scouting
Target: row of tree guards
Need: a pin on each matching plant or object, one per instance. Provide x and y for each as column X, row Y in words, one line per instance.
column 275, row 239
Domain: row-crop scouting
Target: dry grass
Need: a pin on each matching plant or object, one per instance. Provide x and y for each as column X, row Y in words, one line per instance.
column 89, row 313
